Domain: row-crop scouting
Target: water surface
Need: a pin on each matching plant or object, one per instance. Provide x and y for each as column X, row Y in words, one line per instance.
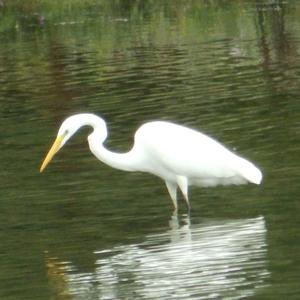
column 82, row 230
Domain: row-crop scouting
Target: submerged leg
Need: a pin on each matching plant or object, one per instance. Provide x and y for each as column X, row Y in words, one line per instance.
column 183, row 185
column 174, row 224
column 172, row 188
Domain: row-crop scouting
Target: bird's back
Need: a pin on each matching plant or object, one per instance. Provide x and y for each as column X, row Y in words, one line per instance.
column 170, row 149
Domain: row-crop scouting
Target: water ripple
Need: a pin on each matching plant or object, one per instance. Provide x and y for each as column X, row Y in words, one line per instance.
column 211, row 260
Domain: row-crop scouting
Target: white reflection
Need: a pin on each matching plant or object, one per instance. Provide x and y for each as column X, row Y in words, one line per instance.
column 211, row 260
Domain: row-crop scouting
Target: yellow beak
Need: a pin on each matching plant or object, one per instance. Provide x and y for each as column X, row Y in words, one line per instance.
column 54, row 149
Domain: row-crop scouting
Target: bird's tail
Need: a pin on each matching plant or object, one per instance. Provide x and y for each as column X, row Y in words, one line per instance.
column 250, row 172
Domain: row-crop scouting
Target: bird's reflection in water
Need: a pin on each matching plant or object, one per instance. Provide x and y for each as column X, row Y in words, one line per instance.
column 215, row 259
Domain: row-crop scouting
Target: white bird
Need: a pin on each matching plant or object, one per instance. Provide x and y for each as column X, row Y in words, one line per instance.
column 179, row 155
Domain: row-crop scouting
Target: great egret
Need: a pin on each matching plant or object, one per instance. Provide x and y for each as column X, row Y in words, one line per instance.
column 179, row 155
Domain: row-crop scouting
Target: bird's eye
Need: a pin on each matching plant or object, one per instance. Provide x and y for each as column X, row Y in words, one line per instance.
column 66, row 132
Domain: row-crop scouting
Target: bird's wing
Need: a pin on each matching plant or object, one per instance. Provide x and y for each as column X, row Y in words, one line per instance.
column 185, row 151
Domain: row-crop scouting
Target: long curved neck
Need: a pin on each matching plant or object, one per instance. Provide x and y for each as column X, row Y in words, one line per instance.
column 123, row 161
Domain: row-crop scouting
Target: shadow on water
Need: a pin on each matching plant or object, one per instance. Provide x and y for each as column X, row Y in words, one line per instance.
column 219, row 259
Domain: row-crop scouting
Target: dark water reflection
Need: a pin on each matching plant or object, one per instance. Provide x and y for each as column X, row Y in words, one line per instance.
column 84, row 230
column 213, row 259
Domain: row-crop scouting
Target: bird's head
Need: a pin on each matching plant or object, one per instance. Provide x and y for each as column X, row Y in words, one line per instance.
column 68, row 128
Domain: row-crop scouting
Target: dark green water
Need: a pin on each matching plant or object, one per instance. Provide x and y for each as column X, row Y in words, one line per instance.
column 82, row 230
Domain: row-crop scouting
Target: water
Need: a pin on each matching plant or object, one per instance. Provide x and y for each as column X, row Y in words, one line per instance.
column 82, row 230
column 209, row 260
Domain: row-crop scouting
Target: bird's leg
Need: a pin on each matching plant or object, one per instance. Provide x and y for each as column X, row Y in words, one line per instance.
column 183, row 185
column 172, row 188
column 173, row 223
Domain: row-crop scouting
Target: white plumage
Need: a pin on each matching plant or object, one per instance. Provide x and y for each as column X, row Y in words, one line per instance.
column 179, row 155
